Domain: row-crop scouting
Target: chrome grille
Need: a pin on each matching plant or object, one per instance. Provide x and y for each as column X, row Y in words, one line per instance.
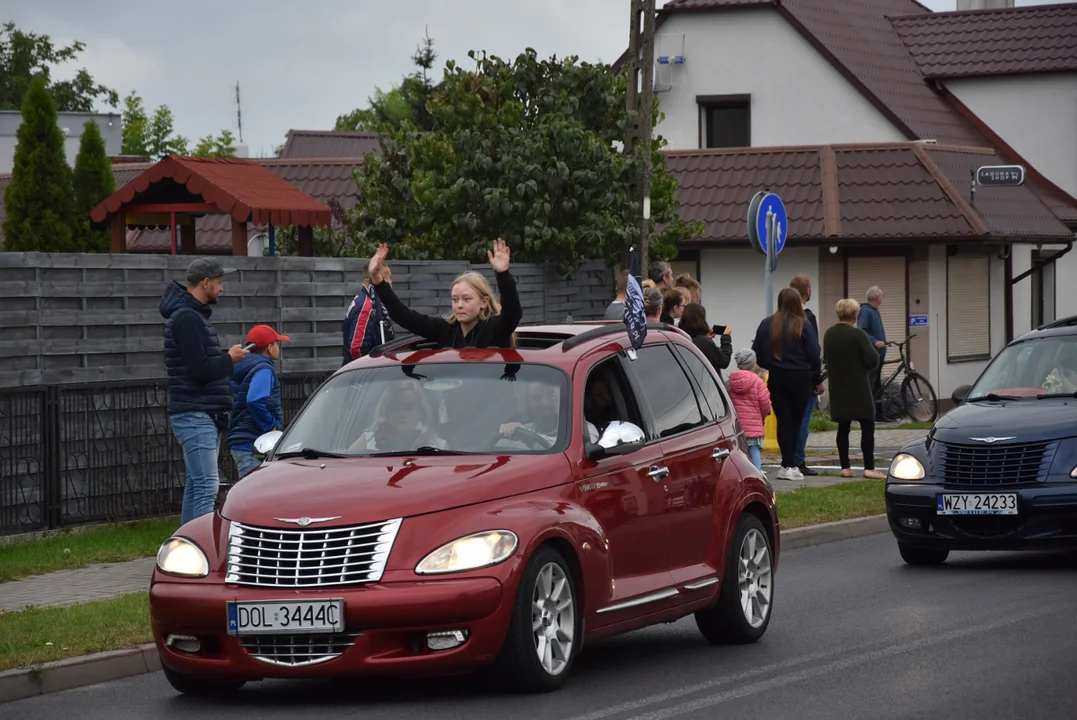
column 272, row 557
column 298, row 650
column 983, row 464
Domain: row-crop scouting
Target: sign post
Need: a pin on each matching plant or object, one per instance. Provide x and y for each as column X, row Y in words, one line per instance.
column 768, row 228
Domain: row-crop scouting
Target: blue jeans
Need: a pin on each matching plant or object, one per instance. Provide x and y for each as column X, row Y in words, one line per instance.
column 201, row 441
column 755, row 452
column 801, row 455
column 245, row 461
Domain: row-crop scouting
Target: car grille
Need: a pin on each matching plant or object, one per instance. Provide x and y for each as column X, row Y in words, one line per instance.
column 987, row 526
column 1000, row 465
column 271, row 557
column 298, row 650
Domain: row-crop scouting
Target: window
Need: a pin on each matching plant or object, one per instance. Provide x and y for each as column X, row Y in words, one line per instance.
column 968, row 307
column 1045, row 366
column 725, row 121
column 716, row 407
column 607, row 397
column 666, row 390
column 459, row 407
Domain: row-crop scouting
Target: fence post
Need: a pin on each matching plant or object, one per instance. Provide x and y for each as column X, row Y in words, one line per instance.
column 51, row 460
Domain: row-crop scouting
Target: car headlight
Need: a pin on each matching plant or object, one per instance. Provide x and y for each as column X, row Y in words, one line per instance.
column 182, row 558
column 470, row 553
column 906, row 467
column 1073, row 473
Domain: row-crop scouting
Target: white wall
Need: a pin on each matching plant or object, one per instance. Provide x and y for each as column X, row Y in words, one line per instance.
column 946, row 376
column 732, row 280
column 798, row 98
column 1021, row 261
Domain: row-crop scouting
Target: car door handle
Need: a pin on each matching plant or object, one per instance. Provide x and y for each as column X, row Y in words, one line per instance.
column 720, row 454
column 657, row 473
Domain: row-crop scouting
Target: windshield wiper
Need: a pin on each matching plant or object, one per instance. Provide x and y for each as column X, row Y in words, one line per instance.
column 421, row 450
column 309, row 454
column 994, row 396
column 1054, row 395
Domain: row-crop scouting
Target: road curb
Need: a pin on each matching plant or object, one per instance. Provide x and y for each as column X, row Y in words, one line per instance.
column 834, row 531
column 118, row 664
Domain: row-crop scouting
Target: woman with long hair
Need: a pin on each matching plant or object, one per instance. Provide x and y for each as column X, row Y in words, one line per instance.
column 694, row 324
column 787, row 346
column 477, row 319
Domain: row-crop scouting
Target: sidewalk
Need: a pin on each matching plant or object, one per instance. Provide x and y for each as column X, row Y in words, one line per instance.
column 69, row 587
column 884, row 439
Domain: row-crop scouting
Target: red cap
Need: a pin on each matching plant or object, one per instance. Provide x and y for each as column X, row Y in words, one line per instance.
column 263, row 336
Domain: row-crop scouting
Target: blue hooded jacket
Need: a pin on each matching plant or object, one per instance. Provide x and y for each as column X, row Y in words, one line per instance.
column 199, row 372
column 258, row 404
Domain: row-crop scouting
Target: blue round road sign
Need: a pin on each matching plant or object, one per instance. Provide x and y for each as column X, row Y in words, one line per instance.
column 781, row 223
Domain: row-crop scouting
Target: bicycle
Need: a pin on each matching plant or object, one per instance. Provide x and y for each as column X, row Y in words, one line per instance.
column 916, row 396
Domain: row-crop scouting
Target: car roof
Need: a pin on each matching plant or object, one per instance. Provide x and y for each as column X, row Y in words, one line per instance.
column 1061, row 327
column 561, row 344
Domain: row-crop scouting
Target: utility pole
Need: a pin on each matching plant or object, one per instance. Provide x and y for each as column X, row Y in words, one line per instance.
column 239, row 113
column 640, row 100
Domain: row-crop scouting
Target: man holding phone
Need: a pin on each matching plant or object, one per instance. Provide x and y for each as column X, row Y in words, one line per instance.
column 256, row 390
column 199, row 379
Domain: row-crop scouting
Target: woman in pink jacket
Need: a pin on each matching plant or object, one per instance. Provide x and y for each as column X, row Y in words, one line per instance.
column 751, row 399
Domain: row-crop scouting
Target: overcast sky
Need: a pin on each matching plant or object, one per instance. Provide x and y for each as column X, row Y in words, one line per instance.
column 299, row 65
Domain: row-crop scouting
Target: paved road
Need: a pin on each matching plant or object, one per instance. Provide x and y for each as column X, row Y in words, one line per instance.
column 856, row 634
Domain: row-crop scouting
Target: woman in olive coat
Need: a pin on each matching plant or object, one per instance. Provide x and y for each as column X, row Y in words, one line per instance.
column 850, row 359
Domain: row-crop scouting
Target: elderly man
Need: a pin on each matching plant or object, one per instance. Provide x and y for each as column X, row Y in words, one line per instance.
column 870, row 321
column 662, row 275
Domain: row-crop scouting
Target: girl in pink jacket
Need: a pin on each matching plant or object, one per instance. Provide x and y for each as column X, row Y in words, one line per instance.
column 751, row 400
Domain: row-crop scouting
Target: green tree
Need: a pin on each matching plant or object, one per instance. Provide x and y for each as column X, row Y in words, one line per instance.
column 149, row 135
column 221, row 146
column 24, row 55
column 525, row 151
column 93, row 181
column 405, row 103
column 40, row 199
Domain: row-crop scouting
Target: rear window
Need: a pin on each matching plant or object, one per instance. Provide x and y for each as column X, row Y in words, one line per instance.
column 472, row 408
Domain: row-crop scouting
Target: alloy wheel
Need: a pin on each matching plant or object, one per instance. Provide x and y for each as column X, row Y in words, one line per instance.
column 754, row 578
column 553, row 618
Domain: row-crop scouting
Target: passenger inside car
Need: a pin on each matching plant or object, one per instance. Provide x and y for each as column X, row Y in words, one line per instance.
column 538, row 416
column 1063, row 376
column 403, row 421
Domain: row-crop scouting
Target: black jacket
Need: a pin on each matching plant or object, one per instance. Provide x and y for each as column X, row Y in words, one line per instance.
column 798, row 354
column 719, row 357
column 493, row 332
column 199, row 372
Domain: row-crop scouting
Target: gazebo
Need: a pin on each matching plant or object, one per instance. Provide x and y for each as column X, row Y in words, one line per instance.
column 176, row 191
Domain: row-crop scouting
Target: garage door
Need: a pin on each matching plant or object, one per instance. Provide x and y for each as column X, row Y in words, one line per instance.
column 888, row 273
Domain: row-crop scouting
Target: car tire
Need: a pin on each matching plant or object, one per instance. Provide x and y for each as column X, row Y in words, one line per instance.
column 545, row 634
column 744, row 606
column 200, row 686
column 914, row 555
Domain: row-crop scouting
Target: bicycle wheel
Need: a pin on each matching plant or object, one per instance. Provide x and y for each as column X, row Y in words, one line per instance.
column 919, row 398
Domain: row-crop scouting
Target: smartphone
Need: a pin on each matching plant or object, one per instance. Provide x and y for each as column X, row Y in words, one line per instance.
column 718, row 329
column 249, row 346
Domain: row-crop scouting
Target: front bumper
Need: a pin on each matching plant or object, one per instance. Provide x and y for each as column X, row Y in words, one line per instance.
column 385, row 626
column 1046, row 517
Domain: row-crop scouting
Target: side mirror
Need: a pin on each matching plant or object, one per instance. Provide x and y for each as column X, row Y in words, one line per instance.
column 265, row 443
column 961, row 394
column 620, row 438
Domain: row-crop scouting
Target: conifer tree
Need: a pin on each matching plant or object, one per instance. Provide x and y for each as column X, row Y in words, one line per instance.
column 93, row 182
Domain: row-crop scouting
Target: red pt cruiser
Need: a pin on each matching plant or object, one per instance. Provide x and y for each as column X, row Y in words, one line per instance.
column 433, row 511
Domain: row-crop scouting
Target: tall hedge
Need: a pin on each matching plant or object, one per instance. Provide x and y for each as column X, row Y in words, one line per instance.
column 94, row 182
column 40, row 199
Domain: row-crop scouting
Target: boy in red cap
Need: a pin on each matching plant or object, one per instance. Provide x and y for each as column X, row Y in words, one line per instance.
column 256, row 391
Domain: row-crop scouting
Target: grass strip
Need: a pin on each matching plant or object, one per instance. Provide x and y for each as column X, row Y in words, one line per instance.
column 69, row 550
column 37, row 635
column 818, row 505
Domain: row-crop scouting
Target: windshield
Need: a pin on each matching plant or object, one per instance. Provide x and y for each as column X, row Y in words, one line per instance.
column 1035, row 368
column 433, row 409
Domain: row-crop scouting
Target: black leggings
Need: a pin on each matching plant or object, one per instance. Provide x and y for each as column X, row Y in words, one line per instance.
column 867, row 443
column 790, row 392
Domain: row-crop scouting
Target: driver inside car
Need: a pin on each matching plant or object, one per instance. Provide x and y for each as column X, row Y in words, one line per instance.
column 539, row 416
column 402, row 422
column 1062, row 380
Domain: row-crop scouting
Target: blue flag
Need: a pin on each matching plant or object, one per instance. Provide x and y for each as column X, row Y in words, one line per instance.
column 635, row 316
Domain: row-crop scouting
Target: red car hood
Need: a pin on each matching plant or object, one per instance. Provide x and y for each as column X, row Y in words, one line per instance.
column 362, row 490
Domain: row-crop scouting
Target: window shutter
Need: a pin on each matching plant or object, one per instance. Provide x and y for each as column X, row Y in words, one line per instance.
column 968, row 307
column 888, row 273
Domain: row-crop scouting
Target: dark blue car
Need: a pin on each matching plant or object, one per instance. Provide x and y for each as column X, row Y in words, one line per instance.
column 999, row 471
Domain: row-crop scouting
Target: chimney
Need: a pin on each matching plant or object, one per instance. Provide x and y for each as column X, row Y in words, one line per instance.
column 984, row 4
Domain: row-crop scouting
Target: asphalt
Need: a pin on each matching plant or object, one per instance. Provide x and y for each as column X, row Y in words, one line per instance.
column 855, row 634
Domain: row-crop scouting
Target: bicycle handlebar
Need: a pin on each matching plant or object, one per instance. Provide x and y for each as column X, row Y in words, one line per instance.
column 903, row 342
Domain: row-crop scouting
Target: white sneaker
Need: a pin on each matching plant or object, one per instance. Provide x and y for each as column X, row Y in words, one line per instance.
column 783, row 473
column 794, row 474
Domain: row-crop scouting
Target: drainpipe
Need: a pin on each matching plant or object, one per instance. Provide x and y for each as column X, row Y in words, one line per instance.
column 1014, row 280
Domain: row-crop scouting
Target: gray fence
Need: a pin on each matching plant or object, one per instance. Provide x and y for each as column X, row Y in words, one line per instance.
column 71, row 318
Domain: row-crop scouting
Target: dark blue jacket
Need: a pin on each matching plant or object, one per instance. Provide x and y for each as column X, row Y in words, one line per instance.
column 258, row 410
column 798, row 354
column 870, row 321
column 364, row 325
column 199, row 372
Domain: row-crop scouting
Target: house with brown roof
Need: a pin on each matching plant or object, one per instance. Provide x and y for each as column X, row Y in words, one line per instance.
column 869, row 119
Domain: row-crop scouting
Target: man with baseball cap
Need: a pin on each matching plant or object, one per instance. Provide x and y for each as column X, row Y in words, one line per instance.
column 199, row 379
column 256, row 390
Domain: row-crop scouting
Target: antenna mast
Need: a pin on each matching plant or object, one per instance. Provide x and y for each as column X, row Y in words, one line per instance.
column 239, row 113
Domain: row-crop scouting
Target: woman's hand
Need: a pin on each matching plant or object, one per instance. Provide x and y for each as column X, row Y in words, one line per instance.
column 377, row 267
column 499, row 257
column 508, row 429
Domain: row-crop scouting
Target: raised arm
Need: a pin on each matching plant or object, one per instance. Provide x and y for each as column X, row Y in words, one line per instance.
column 511, row 311
column 426, row 326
